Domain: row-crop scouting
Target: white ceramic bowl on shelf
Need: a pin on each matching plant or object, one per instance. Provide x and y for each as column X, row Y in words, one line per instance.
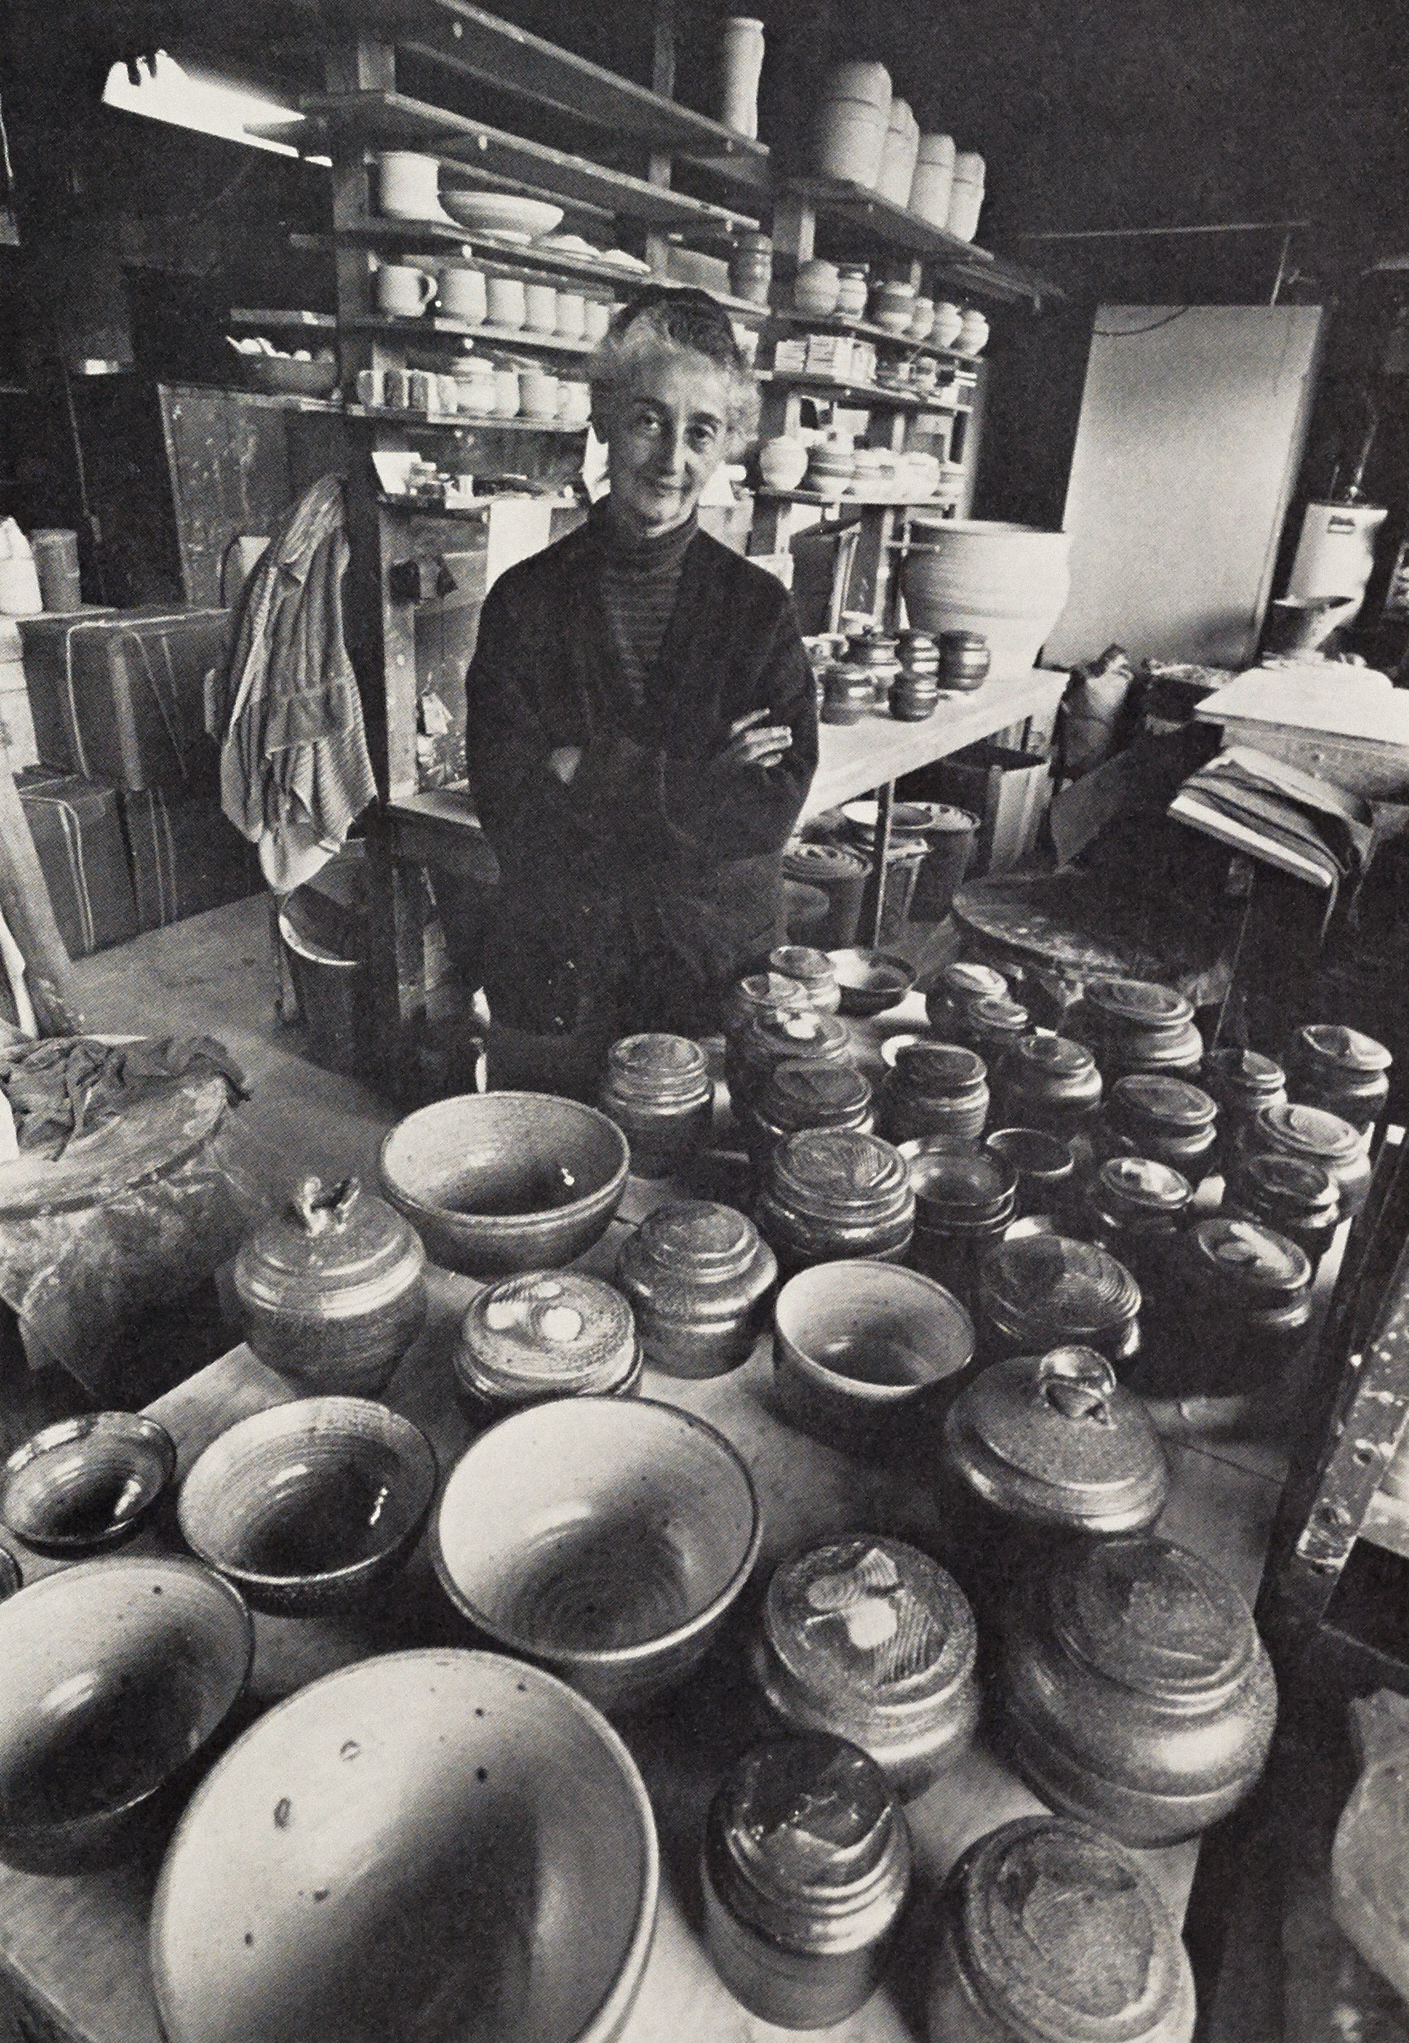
column 501, row 213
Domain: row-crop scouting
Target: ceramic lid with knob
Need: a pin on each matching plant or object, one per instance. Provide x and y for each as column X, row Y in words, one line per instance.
column 546, row 1334
column 1054, row 1440
column 1310, row 1132
column 1154, row 1618
column 1340, row 1051
column 1259, row 1266
column 658, row 1068
column 823, row 1171
column 335, row 1250
column 696, row 1244
column 1244, row 1078
column 1060, row 1936
column 1137, row 1187
column 995, row 1014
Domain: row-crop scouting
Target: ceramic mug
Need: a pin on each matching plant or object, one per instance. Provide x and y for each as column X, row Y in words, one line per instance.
column 574, row 403
column 410, row 185
column 596, row 319
column 475, row 386
column 505, row 300
column 572, row 315
column 404, row 291
column 538, row 394
column 540, row 308
column 447, row 392
column 421, row 390
column 463, row 294
column 506, row 393
column 396, row 388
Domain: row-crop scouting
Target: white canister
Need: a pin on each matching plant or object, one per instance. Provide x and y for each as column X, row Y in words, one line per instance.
column 596, row 319
column 973, row 333
column 574, row 403
column 948, row 324
column 506, row 392
column 572, row 315
column 966, row 197
column 817, row 287
column 447, row 393
column 540, row 308
column 852, row 122
column 868, row 81
column 505, row 301
column 933, row 181
column 409, row 185
column 782, row 462
column 741, row 65
column 20, row 594
column 463, row 294
column 538, row 395
column 898, row 154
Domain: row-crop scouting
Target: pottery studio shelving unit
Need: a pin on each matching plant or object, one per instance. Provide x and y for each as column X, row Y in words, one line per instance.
column 390, row 603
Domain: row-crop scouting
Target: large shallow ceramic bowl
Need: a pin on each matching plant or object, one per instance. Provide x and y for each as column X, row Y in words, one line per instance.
column 308, row 1506
column 501, row 213
column 445, row 1846
column 116, row 1675
column 85, row 1485
column 282, row 376
column 604, row 1537
column 871, row 981
column 857, row 1344
column 501, row 1181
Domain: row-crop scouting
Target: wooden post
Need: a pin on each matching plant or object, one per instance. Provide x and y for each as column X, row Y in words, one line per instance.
column 24, row 903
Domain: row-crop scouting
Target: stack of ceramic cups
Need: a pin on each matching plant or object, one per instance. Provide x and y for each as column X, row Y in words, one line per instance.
column 933, row 181
column 898, row 154
column 852, row 123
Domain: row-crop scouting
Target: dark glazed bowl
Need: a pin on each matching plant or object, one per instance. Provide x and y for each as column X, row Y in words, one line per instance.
column 86, row 1485
column 117, row 1673
column 439, row 1845
column 606, row 1538
column 308, row 1506
column 502, row 1181
column 871, row 981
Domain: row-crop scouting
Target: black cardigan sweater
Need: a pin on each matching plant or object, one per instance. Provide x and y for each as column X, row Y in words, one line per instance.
column 632, row 897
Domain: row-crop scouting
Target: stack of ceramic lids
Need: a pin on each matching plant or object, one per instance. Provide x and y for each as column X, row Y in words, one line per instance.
column 698, row 1278
column 1047, row 1930
column 1136, row 1690
column 1134, row 1025
column 547, row 1334
column 867, row 1638
column 1043, row 1291
column 1054, row 1441
column 827, row 1195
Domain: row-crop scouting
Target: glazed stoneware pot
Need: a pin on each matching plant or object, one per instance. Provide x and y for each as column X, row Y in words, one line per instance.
column 1049, row 1082
column 805, row 1868
column 813, row 970
column 605, row 1538
column 787, row 1037
column 1022, row 1917
column 963, row 1204
column 1299, row 1199
column 859, row 1347
column 1341, row 1071
column 1313, row 1136
column 869, row 1639
column 699, row 1279
column 938, row 1091
column 1047, row 1291
column 309, row 1507
column 1239, row 1082
column 1136, row 1691
column 368, row 1860
column 1134, row 1025
column 86, row 1485
column 659, row 1092
column 1137, row 1209
column 1235, row 1315
column 332, row 1290
column 118, row 1674
column 798, row 1096
column 871, row 981
column 830, row 1193
column 1045, row 1167
column 1165, row 1119
column 763, row 993
column 954, row 984
column 545, row 1334
column 501, row 1181
column 782, row 462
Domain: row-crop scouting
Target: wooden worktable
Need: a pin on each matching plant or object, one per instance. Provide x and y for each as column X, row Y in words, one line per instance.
column 74, row 1951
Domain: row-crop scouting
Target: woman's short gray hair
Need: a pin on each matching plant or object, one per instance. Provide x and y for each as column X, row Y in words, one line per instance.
column 676, row 320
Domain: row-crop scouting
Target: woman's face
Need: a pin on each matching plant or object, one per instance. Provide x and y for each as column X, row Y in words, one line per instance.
column 666, row 433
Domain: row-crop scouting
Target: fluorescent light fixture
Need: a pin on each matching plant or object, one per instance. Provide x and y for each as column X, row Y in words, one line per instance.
column 164, row 92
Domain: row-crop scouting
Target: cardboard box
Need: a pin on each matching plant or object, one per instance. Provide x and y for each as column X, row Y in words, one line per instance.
column 185, row 856
column 119, row 695
column 77, row 832
column 1008, row 791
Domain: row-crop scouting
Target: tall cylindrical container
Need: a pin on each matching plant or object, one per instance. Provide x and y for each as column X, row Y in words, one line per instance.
column 932, row 184
column 852, row 122
column 966, row 195
column 741, row 63
column 898, row 153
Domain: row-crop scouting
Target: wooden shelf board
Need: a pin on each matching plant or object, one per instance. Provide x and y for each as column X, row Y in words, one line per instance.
column 478, row 45
column 474, row 421
column 437, row 328
column 244, row 315
column 390, row 120
column 838, row 322
column 981, row 272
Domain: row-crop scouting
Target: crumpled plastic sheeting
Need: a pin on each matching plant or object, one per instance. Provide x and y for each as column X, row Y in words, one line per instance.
column 80, row 1282
column 63, row 1086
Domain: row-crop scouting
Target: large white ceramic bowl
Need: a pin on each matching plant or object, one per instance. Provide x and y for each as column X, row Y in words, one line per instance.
column 501, row 212
column 438, row 1845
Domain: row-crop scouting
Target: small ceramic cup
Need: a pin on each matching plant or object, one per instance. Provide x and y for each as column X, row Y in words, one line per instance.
column 463, row 294
column 572, row 315
column 404, row 291
column 540, row 308
column 538, row 394
column 507, row 396
column 505, row 301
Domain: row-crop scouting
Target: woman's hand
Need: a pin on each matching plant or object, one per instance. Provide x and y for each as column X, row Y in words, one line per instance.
column 754, row 742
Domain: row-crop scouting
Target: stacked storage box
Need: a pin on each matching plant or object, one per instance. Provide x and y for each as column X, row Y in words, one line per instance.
column 118, row 698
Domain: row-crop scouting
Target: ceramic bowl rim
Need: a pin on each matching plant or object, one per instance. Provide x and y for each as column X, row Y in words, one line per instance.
column 507, row 1225
column 876, row 958
column 210, row 1580
column 125, row 1427
column 620, row 1995
column 419, row 1460
column 609, row 1658
column 854, row 1388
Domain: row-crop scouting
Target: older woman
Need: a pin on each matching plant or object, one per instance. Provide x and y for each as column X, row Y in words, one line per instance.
column 642, row 722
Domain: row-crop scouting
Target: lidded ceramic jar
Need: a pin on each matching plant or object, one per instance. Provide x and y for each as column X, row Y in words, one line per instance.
column 1045, row 1167
column 963, row 1204
column 1165, row 1119
column 1341, row 1071
column 829, row 1194
column 1137, row 1208
column 831, row 465
column 816, row 288
column 1022, row 1917
column 798, row 1096
column 1238, row 1310
column 848, row 693
column 763, row 993
column 919, row 654
column 1054, row 1441
column 991, row 1024
column 806, row 1866
column 659, row 1092
column 1043, row 1291
column 869, row 1639
column 1137, row 1693
column 938, row 1091
column 1049, row 1082
column 788, row 1037
column 332, row 1290
column 540, row 1335
column 964, row 660
column 913, row 697
column 893, row 307
column 698, row 1278
column 814, row 972
column 954, row 984
column 852, row 289
column 1299, row 1199
column 1135, row 1025
column 1316, row 1137
column 751, row 267
column 1239, row 1082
